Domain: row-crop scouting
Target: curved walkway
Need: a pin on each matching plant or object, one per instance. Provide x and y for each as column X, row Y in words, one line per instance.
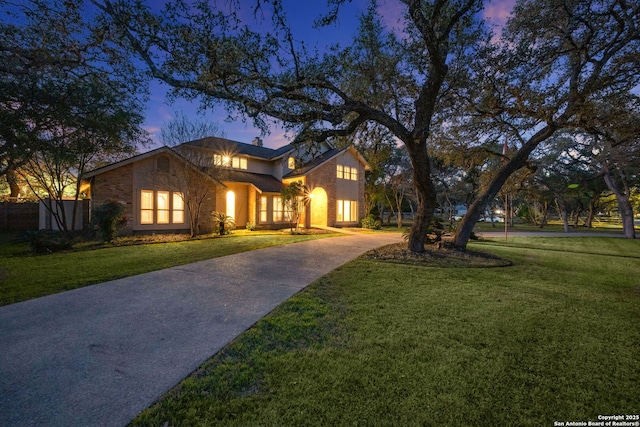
column 97, row 356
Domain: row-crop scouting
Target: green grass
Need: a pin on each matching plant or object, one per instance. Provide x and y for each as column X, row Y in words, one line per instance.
column 24, row 276
column 553, row 337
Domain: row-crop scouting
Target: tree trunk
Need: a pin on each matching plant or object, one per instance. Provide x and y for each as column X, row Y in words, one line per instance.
column 477, row 208
column 13, row 181
column 565, row 218
column 426, row 196
column 545, row 212
column 624, row 206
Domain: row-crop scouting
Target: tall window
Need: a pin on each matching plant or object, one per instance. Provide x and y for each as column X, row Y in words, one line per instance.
column 178, row 208
column 263, row 209
column 347, row 211
column 278, row 210
column 340, row 172
column 146, row 207
column 163, row 207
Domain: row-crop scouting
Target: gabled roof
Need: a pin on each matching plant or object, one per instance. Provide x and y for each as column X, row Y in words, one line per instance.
column 112, row 166
column 235, row 147
column 324, row 157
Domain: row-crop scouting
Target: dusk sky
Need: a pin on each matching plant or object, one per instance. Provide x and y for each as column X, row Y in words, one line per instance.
column 300, row 15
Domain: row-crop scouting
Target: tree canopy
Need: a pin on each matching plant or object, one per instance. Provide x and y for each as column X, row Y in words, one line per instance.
column 559, row 64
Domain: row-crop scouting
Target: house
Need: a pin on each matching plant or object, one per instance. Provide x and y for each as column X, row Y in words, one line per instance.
column 243, row 180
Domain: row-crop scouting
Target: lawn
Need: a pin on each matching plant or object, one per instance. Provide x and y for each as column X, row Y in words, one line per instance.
column 24, row 276
column 552, row 337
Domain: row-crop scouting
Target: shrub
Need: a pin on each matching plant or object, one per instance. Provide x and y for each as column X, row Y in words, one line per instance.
column 251, row 226
column 108, row 218
column 46, row 241
column 371, row 222
column 225, row 223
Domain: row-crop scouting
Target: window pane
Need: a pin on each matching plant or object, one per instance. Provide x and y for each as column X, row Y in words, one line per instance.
column 354, row 174
column 163, row 217
column 243, row 163
column 340, row 214
column 163, row 200
column 340, row 171
column 178, row 217
column 235, row 162
column 178, row 202
column 146, row 217
column 347, row 211
column 146, row 199
column 354, row 211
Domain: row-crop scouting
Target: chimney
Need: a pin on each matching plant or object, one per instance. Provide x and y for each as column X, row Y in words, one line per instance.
column 257, row 142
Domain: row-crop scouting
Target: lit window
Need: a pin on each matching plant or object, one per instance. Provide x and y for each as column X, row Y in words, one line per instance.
column 354, row 174
column 163, row 207
column 146, row 207
column 263, row 209
column 340, row 171
column 178, row 208
column 278, row 211
column 228, row 161
column 291, row 163
column 347, row 211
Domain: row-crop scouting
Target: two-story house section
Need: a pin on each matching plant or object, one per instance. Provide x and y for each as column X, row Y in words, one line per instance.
column 242, row 180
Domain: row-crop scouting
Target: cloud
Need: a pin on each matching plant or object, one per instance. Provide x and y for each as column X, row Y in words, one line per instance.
column 498, row 11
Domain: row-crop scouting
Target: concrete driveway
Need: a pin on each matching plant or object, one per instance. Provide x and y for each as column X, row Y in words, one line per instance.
column 99, row 355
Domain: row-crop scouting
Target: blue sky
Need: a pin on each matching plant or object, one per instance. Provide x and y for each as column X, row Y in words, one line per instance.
column 301, row 14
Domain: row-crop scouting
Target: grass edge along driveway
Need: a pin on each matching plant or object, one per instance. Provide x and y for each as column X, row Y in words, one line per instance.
column 24, row 276
column 552, row 338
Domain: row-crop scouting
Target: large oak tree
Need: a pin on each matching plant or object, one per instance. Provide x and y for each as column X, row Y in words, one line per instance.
column 318, row 91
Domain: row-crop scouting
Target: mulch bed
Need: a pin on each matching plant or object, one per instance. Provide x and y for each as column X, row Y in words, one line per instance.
column 442, row 257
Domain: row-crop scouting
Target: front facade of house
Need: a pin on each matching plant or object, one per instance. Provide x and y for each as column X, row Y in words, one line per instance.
column 157, row 188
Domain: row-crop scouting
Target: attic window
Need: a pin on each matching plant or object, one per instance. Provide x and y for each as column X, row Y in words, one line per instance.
column 162, row 165
column 291, row 163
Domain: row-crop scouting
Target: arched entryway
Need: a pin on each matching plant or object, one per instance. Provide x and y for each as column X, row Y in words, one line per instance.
column 318, row 207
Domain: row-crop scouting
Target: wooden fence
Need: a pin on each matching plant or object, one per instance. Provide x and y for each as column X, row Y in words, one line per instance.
column 15, row 217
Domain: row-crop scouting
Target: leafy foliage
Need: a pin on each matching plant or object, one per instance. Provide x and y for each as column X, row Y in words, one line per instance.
column 371, row 222
column 109, row 219
column 225, row 222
